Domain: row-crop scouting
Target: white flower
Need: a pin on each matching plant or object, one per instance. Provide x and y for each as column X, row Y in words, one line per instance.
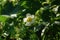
column 13, row 15
column 29, row 20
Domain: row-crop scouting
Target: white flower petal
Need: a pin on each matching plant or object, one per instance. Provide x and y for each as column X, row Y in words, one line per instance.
column 28, row 24
column 32, row 21
column 28, row 14
column 25, row 20
column 32, row 16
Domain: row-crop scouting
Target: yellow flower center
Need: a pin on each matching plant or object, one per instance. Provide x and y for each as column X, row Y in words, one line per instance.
column 29, row 19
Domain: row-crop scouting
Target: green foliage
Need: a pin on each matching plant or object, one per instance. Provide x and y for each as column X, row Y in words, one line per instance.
column 3, row 19
column 34, row 20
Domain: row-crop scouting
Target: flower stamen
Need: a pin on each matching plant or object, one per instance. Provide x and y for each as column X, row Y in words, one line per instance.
column 29, row 19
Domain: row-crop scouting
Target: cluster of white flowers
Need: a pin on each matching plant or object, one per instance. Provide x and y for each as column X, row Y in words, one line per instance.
column 29, row 20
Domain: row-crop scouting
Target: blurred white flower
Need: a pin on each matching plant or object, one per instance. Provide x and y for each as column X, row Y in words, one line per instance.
column 29, row 20
column 5, row 34
column 55, row 9
column 13, row 15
